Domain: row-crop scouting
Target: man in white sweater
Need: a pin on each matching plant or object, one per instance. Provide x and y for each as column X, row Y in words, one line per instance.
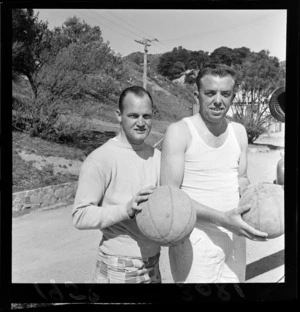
column 114, row 179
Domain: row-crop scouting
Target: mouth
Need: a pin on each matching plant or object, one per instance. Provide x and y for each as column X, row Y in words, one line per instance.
column 217, row 109
column 140, row 130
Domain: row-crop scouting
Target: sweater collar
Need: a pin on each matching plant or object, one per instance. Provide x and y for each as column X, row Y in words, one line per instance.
column 134, row 147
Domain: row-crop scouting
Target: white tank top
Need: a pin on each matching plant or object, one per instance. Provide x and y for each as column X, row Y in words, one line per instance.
column 211, row 173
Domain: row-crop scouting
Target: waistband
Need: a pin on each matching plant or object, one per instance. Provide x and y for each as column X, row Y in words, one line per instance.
column 129, row 261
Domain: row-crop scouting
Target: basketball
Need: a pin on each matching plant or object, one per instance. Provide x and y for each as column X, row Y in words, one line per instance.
column 167, row 217
column 267, row 208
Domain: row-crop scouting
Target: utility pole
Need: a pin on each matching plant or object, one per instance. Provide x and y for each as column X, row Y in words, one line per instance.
column 145, row 43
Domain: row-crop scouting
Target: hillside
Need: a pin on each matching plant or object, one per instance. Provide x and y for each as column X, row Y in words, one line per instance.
column 38, row 163
column 172, row 100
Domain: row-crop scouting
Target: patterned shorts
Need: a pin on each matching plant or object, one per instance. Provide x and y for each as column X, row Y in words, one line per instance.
column 114, row 269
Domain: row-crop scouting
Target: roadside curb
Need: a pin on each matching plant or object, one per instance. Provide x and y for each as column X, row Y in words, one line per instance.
column 52, row 196
column 55, row 196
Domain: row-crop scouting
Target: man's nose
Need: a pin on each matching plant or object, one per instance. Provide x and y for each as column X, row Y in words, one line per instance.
column 141, row 122
column 218, row 100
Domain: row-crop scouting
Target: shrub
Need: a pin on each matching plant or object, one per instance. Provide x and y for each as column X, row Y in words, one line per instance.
column 253, row 128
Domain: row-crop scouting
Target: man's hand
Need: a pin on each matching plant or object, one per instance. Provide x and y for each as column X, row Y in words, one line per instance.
column 142, row 196
column 233, row 222
column 243, row 189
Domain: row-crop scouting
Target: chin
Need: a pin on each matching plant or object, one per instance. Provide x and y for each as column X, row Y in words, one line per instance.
column 216, row 118
column 141, row 136
column 139, row 140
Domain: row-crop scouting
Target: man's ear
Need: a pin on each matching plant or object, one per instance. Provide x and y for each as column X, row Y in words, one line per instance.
column 196, row 96
column 118, row 115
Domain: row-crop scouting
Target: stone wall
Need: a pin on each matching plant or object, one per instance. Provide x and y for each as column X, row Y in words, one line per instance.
column 52, row 196
column 47, row 197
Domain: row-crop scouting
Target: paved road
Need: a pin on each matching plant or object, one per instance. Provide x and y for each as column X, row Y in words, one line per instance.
column 46, row 247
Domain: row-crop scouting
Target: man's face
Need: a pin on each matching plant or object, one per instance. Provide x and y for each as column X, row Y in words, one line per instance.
column 136, row 118
column 215, row 97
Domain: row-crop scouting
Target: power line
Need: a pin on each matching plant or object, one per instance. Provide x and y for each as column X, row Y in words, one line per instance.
column 114, row 30
column 118, row 25
column 223, row 29
column 136, row 29
column 159, row 49
column 101, row 23
column 162, row 44
column 123, row 27
column 113, row 23
column 129, row 24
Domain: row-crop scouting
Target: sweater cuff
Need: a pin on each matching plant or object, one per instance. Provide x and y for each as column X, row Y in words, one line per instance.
column 123, row 213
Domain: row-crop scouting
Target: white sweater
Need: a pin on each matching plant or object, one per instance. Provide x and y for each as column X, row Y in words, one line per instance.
column 110, row 176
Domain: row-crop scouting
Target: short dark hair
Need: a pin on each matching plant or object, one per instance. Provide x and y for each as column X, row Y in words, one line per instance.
column 220, row 70
column 137, row 90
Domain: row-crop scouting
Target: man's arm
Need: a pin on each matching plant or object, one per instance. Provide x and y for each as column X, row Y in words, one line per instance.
column 176, row 140
column 172, row 157
column 88, row 212
column 241, row 135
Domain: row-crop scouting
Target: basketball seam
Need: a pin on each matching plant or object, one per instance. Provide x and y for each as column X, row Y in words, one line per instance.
column 163, row 237
column 172, row 208
column 154, row 226
column 281, row 222
column 189, row 220
column 259, row 219
column 173, row 217
column 259, row 188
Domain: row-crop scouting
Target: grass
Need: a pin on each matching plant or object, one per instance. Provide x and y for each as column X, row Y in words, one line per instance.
column 22, row 141
column 26, row 176
column 173, row 103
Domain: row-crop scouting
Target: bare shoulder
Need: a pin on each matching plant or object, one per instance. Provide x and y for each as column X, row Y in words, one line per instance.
column 240, row 132
column 177, row 132
column 178, row 128
column 238, row 128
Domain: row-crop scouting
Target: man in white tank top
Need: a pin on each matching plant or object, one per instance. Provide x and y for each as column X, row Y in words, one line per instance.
column 206, row 156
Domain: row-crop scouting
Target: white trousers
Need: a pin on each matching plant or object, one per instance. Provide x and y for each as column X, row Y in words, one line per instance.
column 210, row 255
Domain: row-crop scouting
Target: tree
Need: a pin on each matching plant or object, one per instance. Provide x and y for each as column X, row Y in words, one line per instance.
column 181, row 55
column 198, row 59
column 259, row 75
column 240, row 54
column 177, row 69
column 223, row 55
column 81, row 32
column 75, row 31
column 184, row 59
column 77, row 63
column 31, row 42
column 165, row 65
column 228, row 56
column 137, row 58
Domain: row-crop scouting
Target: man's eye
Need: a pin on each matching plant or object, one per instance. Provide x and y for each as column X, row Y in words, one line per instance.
column 147, row 116
column 226, row 94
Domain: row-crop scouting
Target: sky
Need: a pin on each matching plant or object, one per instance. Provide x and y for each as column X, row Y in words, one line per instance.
column 194, row 30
